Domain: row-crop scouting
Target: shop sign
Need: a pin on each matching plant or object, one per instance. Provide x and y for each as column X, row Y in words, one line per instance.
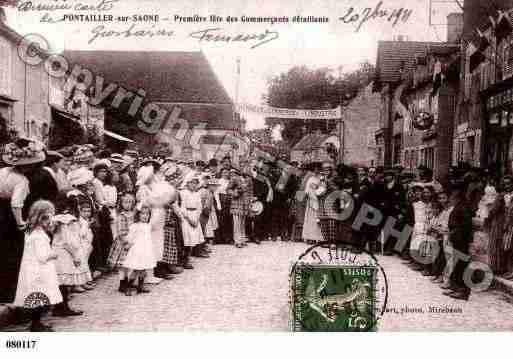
column 423, row 121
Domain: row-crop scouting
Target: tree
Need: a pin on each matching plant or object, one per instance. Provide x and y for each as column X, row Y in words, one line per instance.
column 304, row 88
column 262, row 139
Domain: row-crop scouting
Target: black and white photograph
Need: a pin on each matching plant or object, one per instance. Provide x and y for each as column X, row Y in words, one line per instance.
column 255, row 166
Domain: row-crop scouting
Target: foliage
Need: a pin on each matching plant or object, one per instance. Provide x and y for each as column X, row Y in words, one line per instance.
column 263, row 139
column 304, row 88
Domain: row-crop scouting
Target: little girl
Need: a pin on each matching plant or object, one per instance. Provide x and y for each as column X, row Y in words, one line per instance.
column 119, row 249
column 38, row 275
column 86, row 240
column 70, row 273
column 140, row 257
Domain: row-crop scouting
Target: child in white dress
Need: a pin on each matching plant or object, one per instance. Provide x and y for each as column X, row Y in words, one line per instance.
column 140, row 257
column 37, row 281
column 190, row 212
column 86, row 240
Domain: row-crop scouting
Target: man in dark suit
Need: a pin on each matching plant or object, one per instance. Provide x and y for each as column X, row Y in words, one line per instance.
column 460, row 237
column 393, row 199
column 264, row 193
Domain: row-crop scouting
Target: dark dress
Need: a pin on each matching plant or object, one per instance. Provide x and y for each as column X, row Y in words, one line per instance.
column 262, row 227
column 460, row 237
column 42, row 187
column 173, row 241
column 11, row 252
column 225, row 231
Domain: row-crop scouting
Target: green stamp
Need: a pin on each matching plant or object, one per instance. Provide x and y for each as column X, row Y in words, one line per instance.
column 333, row 298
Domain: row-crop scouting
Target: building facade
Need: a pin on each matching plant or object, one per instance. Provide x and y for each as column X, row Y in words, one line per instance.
column 24, row 91
column 418, row 79
column 483, row 135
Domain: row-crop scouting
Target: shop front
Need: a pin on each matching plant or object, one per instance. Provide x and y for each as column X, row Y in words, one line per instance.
column 498, row 126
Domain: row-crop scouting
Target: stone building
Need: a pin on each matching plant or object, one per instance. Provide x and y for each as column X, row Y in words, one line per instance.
column 483, row 125
column 24, row 89
column 361, row 121
column 414, row 77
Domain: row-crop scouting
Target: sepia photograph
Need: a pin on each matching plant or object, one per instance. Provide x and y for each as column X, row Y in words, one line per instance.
column 255, row 167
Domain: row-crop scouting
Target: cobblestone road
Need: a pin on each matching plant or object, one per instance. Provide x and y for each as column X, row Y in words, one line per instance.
column 246, row 289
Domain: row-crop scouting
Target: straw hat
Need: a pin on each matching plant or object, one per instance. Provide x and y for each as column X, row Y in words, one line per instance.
column 24, row 151
column 144, row 174
column 150, row 160
column 80, row 176
column 83, row 154
column 256, row 208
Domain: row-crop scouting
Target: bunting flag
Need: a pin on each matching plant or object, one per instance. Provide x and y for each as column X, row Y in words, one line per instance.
column 287, row 113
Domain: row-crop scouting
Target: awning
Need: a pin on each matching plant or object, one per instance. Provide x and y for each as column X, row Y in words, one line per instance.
column 64, row 113
column 116, row 136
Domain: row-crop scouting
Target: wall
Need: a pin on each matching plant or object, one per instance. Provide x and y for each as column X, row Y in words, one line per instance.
column 29, row 86
column 362, row 120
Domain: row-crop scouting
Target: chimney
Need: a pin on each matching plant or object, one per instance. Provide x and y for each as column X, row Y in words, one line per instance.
column 454, row 27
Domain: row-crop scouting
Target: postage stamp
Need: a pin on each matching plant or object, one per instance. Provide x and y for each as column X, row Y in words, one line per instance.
column 328, row 297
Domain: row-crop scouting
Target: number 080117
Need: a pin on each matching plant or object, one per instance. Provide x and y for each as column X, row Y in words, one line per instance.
column 20, row 344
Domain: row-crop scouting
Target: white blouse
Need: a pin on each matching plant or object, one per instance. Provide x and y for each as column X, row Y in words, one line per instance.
column 13, row 185
column 110, row 194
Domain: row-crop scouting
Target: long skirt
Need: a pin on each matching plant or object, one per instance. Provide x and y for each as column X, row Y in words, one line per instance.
column 118, row 252
column 211, row 225
column 498, row 262
column 298, row 216
column 239, row 228
column 158, row 218
column 173, row 242
column 311, row 228
column 102, row 241
column 192, row 235
column 11, row 252
column 225, row 220
column 297, row 232
column 329, row 229
column 479, row 249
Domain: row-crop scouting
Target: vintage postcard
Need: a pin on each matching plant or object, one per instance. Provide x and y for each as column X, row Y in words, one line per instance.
column 290, row 166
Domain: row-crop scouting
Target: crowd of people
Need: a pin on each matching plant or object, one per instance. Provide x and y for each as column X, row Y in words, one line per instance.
column 69, row 217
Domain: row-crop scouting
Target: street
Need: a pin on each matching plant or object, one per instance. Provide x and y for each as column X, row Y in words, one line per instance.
column 246, row 289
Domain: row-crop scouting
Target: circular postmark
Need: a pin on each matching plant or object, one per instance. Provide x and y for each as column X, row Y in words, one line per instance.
column 335, row 286
column 36, row 300
column 31, row 49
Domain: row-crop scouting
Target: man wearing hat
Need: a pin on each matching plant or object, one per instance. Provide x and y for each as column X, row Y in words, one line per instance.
column 263, row 191
column 393, row 201
column 460, row 237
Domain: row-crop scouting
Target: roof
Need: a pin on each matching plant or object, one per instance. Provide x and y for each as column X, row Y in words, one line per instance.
column 166, row 76
column 396, row 57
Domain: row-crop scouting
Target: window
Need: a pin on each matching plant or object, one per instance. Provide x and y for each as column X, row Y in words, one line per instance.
column 5, row 67
column 430, row 157
column 397, row 150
